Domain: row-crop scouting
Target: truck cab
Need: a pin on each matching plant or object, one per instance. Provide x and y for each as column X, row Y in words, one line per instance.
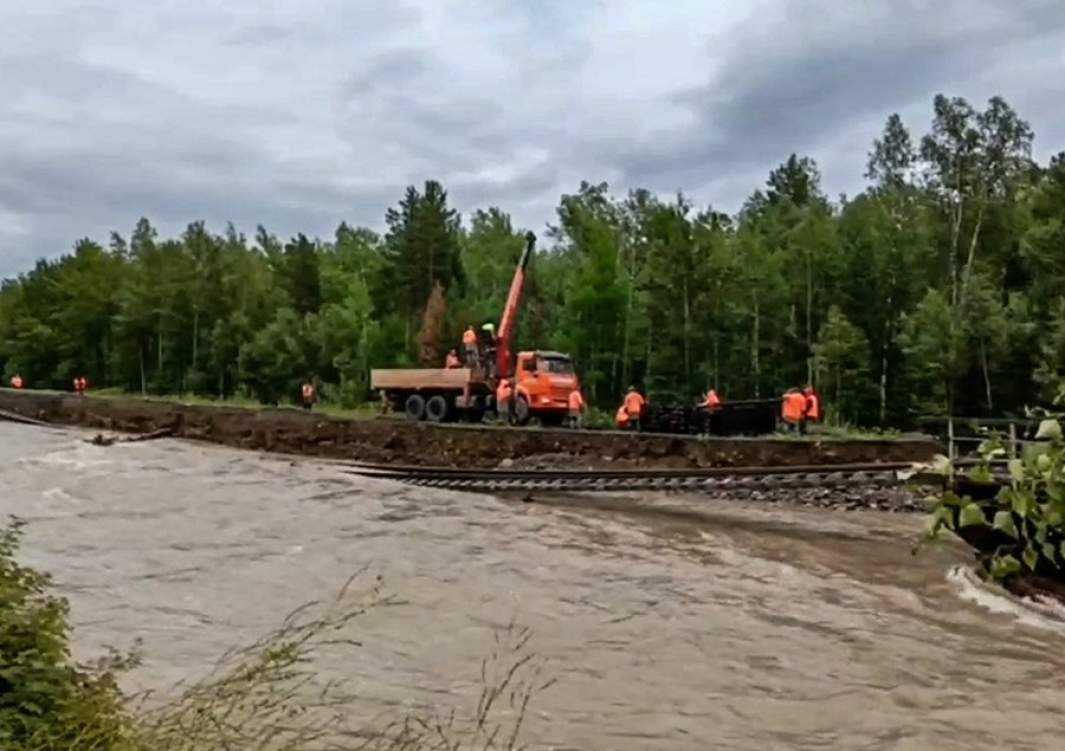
column 543, row 381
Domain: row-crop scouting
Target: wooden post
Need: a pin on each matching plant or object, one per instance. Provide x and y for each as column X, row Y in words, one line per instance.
column 1013, row 440
column 950, row 438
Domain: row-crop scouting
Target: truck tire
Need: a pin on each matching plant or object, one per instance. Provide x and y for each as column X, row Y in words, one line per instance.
column 521, row 411
column 415, row 407
column 436, row 409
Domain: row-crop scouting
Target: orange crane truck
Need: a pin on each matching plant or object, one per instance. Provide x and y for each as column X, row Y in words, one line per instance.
column 542, row 380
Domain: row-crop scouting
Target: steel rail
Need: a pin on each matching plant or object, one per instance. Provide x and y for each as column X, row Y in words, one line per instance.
column 715, row 478
column 420, row 471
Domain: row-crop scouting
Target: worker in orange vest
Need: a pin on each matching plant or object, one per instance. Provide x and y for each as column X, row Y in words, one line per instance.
column 452, row 360
column 634, row 404
column 713, row 401
column 16, row 381
column 622, row 418
column 309, row 393
column 469, row 343
column 793, row 410
column 80, row 384
column 504, row 394
column 576, row 408
column 813, row 404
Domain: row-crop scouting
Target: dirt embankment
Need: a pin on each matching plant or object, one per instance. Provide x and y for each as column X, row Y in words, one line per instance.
column 397, row 441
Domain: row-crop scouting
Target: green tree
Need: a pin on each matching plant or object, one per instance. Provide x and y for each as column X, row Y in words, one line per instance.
column 302, row 272
column 935, row 347
column 842, row 354
column 973, row 158
column 422, row 249
column 596, row 294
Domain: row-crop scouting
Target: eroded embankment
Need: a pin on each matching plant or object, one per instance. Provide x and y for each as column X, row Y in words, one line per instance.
column 395, row 440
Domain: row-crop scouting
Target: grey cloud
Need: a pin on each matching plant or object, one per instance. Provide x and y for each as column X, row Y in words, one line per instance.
column 395, row 67
column 298, row 116
column 801, row 82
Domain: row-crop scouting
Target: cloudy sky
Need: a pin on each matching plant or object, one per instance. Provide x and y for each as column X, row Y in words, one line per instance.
column 298, row 115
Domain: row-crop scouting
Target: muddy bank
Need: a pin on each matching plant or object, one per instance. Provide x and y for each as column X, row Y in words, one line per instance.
column 395, row 440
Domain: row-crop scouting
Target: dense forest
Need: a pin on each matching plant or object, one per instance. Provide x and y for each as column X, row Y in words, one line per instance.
column 938, row 289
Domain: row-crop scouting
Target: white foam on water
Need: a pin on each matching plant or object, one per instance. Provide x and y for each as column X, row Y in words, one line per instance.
column 59, row 494
column 72, row 459
column 1040, row 612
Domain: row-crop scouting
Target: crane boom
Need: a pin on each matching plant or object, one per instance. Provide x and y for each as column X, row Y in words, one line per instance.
column 509, row 320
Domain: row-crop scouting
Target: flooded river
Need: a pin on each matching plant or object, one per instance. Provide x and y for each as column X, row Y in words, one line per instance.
column 668, row 622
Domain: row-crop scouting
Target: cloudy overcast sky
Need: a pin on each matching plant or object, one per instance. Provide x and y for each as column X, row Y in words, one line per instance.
column 298, row 115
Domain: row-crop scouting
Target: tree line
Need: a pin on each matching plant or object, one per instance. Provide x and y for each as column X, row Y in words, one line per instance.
column 937, row 289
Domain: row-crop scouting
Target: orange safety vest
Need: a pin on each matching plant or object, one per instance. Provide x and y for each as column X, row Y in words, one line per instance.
column 576, row 401
column 633, row 403
column 308, row 392
column 622, row 417
column 712, row 399
column 813, row 407
column 503, row 392
column 794, row 407
column 469, row 338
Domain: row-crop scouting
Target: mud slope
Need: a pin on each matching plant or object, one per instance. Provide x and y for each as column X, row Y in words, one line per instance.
column 395, row 440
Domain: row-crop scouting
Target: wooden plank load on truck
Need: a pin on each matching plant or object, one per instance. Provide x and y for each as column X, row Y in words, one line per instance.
column 434, row 394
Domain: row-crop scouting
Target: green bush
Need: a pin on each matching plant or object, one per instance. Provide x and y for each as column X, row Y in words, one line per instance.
column 1020, row 527
column 46, row 701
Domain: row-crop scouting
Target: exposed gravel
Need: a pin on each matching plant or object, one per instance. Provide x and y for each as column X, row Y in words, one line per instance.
column 892, row 498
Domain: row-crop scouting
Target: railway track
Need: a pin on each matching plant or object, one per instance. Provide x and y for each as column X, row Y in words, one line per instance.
column 710, row 479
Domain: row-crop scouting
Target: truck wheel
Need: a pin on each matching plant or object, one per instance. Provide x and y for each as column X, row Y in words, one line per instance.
column 415, row 407
column 436, row 409
column 521, row 411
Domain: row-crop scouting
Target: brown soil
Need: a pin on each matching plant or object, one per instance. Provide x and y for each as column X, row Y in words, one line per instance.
column 392, row 440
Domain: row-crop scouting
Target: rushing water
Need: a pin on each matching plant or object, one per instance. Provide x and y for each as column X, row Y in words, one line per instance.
column 668, row 622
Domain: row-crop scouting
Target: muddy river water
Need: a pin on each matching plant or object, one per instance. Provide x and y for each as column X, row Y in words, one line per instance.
column 669, row 622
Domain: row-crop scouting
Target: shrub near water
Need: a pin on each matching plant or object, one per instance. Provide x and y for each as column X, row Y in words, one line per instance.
column 267, row 696
column 46, row 701
column 1020, row 529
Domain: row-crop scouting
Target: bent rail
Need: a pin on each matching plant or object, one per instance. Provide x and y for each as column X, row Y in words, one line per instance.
column 707, row 479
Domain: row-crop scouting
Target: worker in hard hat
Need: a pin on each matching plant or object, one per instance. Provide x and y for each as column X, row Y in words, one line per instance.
column 488, row 348
column 452, row 360
column 634, row 404
column 469, row 343
column 793, row 410
column 309, row 394
column 712, row 401
column 621, row 419
column 813, row 406
column 576, row 407
column 504, row 397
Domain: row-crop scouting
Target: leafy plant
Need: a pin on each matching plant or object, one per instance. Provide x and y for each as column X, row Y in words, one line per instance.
column 1020, row 528
column 47, row 703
